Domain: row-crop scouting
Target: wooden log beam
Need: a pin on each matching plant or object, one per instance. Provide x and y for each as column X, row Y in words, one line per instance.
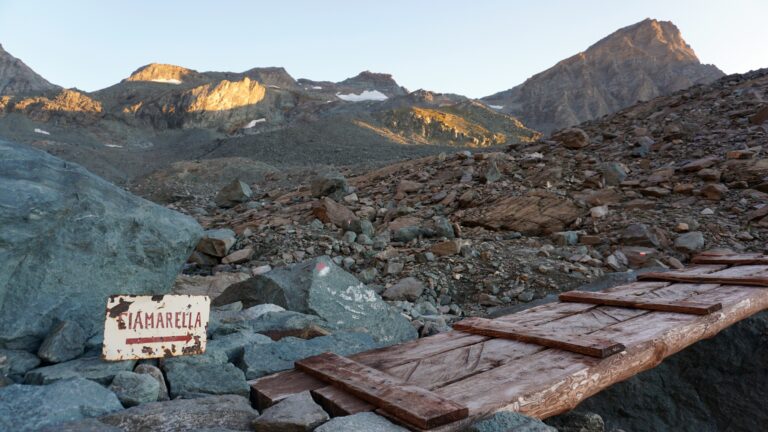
column 635, row 302
column 582, row 344
column 730, row 259
column 410, row 404
column 758, row 281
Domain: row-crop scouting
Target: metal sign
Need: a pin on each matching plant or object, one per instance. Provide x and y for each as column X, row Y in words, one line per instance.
column 138, row 327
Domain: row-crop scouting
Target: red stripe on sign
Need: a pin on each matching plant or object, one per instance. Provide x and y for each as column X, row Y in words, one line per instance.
column 158, row 339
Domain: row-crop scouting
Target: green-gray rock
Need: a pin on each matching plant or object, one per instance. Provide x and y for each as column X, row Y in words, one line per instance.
column 91, row 368
column 191, row 380
column 65, row 342
column 233, row 344
column 212, row 412
column 504, row 421
column 29, row 408
column 260, row 360
column 69, row 239
column 18, row 363
column 366, row 421
column 320, row 287
column 296, row 413
column 135, row 389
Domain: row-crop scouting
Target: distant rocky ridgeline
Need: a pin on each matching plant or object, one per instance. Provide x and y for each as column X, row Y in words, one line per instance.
column 635, row 63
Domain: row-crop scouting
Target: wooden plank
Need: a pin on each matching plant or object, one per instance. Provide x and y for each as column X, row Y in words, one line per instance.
column 421, row 356
column 338, row 402
column 755, row 280
column 552, row 382
column 636, row 302
column 731, row 259
column 411, row 404
column 586, row 345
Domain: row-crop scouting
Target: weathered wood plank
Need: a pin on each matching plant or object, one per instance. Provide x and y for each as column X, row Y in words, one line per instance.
column 338, row 402
column 570, row 377
column 731, row 259
column 636, row 302
column 586, row 345
column 750, row 280
column 411, row 404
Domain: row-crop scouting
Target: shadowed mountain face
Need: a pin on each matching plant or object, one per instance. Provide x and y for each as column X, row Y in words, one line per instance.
column 16, row 78
column 635, row 63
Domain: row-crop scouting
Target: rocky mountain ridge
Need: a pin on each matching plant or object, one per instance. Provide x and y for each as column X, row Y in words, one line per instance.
column 635, row 63
column 16, row 78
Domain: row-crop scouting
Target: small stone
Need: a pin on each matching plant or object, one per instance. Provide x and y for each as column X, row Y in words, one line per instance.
column 261, row 269
column 525, row 296
column 332, row 185
column 572, row 138
column 690, row 242
column 157, row 375
column 296, row 413
column 599, row 212
column 566, row 238
column 216, row 242
column 362, row 226
column 134, row 389
column 682, row 227
column 233, row 194
column 361, row 422
column 394, row 267
column 446, row 248
column 714, row 191
column 238, row 257
column 492, row 173
column 406, row 289
column 613, row 173
column 707, row 212
column 65, row 342
column 638, row 234
column 368, row 275
column 349, row 237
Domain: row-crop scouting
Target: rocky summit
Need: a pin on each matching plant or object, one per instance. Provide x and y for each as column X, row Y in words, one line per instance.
column 636, row 63
column 340, row 217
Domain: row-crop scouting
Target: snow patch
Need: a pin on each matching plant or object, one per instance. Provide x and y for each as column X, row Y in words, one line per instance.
column 40, row 131
column 317, row 88
column 366, row 95
column 167, row 81
column 253, row 123
column 496, row 106
column 113, row 146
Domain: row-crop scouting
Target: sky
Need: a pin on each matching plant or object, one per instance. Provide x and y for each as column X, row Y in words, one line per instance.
column 474, row 48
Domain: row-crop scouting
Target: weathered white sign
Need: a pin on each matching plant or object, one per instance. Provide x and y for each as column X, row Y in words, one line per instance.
column 138, row 327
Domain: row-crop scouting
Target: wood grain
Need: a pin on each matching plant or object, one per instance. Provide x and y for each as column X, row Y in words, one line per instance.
column 411, row 404
column 586, row 345
column 635, row 302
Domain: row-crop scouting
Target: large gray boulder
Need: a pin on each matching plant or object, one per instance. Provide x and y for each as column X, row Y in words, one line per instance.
column 320, row 287
column 192, row 380
column 29, row 408
column 91, row 368
column 69, row 239
column 213, row 412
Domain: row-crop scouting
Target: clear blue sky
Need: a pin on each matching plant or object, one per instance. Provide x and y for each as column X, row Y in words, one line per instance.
column 473, row 48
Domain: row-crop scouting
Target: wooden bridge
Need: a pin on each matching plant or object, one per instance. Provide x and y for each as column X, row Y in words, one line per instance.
column 539, row 362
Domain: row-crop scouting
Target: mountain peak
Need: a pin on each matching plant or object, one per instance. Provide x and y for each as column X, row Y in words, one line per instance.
column 635, row 63
column 660, row 39
column 162, row 73
column 16, row 78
